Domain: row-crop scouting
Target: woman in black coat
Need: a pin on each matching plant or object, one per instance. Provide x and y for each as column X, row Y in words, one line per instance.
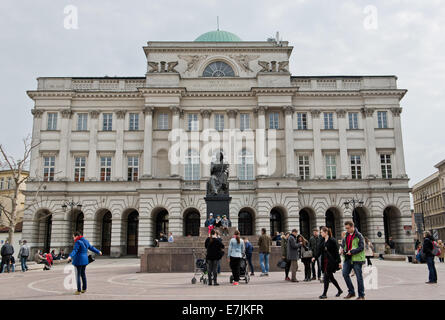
column 215, row 251
column 330, row 261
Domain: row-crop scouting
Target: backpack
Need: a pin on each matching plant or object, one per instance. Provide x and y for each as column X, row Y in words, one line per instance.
column 436, row 250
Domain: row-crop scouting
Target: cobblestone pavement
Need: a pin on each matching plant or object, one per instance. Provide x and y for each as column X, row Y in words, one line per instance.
column 120, row 279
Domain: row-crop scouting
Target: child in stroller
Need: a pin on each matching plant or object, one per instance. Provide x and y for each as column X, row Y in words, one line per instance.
column 244, row 273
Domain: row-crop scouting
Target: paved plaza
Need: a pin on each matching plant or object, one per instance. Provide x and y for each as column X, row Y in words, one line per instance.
column 120, row 279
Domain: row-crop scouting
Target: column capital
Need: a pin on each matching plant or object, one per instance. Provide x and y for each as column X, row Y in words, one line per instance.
column 261, row 110
column 37, row 113
column 94, row 114
column 148, row 110
column 367, row 112
column 205, row 113
column 341, row 113
column 66, row 113
column 232, row 113
column 121, row 114
column 176, row 110
column 288, row 110
column 315, row 113
column 396, row 111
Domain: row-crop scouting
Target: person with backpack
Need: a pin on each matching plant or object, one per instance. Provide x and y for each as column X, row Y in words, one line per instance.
column 429, row 253
column 215, row 252
column 80, row 260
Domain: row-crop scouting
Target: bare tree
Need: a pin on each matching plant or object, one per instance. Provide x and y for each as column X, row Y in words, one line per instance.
column 19, row 175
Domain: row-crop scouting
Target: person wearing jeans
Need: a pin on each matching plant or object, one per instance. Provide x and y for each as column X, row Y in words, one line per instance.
column 353, row 249
column 79, row 258
column 428, row 248
column 264, row 243
column 23, row 255
column 235, row 253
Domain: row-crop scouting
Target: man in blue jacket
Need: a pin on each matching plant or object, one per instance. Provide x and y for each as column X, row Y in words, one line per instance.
column 79, row 258
column 249, row 251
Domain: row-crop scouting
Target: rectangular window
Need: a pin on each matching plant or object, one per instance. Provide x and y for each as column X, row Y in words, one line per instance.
column 79, row 169
column 301, row 121
column 274, row 120
column 49, row 164
column 192, row 122
column 356, row 167
column 52, row 121
column 10, row 183
column 303, row 167
column 328, row 120
column 331, row 167
column 2, row 183
column 244, row 121
column 82, row 121
column 385, row 164
column 134, row 122
column 105, row 168
column 163, row 121
column 219, row 122
column 108, row 122
column 382, row 119
column 133, row 168
column 353, row 120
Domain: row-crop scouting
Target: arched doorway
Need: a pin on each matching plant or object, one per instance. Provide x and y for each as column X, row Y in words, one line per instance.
column 106, row 234
column 192, row 222
column 332, row 221
column 48, row 230
column 132, row 232
column 276, row 221
column 391, row 223
column 245, row 222
column 161, row 222
column 78, row 219
column 360, row 221
column 305, row 224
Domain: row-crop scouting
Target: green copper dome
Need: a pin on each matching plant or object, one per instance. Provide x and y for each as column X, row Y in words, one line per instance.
column 218, row 36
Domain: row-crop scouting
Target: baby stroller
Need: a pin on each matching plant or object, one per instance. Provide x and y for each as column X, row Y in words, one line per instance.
column 243, row 272
column 200, row 269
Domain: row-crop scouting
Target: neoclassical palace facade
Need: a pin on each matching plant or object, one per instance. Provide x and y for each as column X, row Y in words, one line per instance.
column 131, row 153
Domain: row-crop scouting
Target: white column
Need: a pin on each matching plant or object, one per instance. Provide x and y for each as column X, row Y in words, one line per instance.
column 289, row 140
column 89, row 231
column 205, row 114
column 260, row 138
column 371, row 151
column 64, row 151
column 174, row 168
column 344, row 167
column 318, row 156
column 119, row 161
column 35, row 143
column 92, row 153
column 233, row 172
column 148, row 142
column 399, row 154
column 116, row 237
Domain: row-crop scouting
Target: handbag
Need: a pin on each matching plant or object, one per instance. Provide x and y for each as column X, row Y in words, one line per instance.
column 307, row 254
column 281, row 264
column 90, row 259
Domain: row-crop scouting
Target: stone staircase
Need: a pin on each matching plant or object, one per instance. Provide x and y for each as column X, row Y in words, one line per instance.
column 180, row 255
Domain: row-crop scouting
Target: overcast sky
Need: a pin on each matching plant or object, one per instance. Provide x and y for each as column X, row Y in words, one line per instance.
column 329, row 38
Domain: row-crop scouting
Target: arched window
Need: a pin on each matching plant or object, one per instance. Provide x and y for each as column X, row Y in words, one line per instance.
column 191, row 165
column 245, row 223
column 245, row 165
column 192, row 223
column 218, row 69
column 276, row 221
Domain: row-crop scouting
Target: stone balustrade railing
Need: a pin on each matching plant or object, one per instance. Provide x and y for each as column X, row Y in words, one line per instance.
column 91, row 84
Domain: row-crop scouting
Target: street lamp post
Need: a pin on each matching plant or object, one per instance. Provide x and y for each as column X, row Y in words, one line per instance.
column 356, row 203
column 71, row 204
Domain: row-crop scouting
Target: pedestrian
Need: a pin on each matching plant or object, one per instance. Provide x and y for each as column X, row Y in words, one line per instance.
column 218, row 235
column 442, row 249
column 6, row 252
column 331, row 261
column 369, row 251
column 24, row 255
column 315, row 242
column 264, row 243
column 249, row 251
column 392, row 245
column 170, row 237
column 80, row 260
column 428, row 248
column 225, row 225
column 354, row 252
column 234, row 255
column 306, row 257
column 293, row 253
column 215, row 251
column 284, row 241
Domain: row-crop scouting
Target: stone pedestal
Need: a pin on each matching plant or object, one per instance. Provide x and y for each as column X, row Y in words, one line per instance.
column 218, row 205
